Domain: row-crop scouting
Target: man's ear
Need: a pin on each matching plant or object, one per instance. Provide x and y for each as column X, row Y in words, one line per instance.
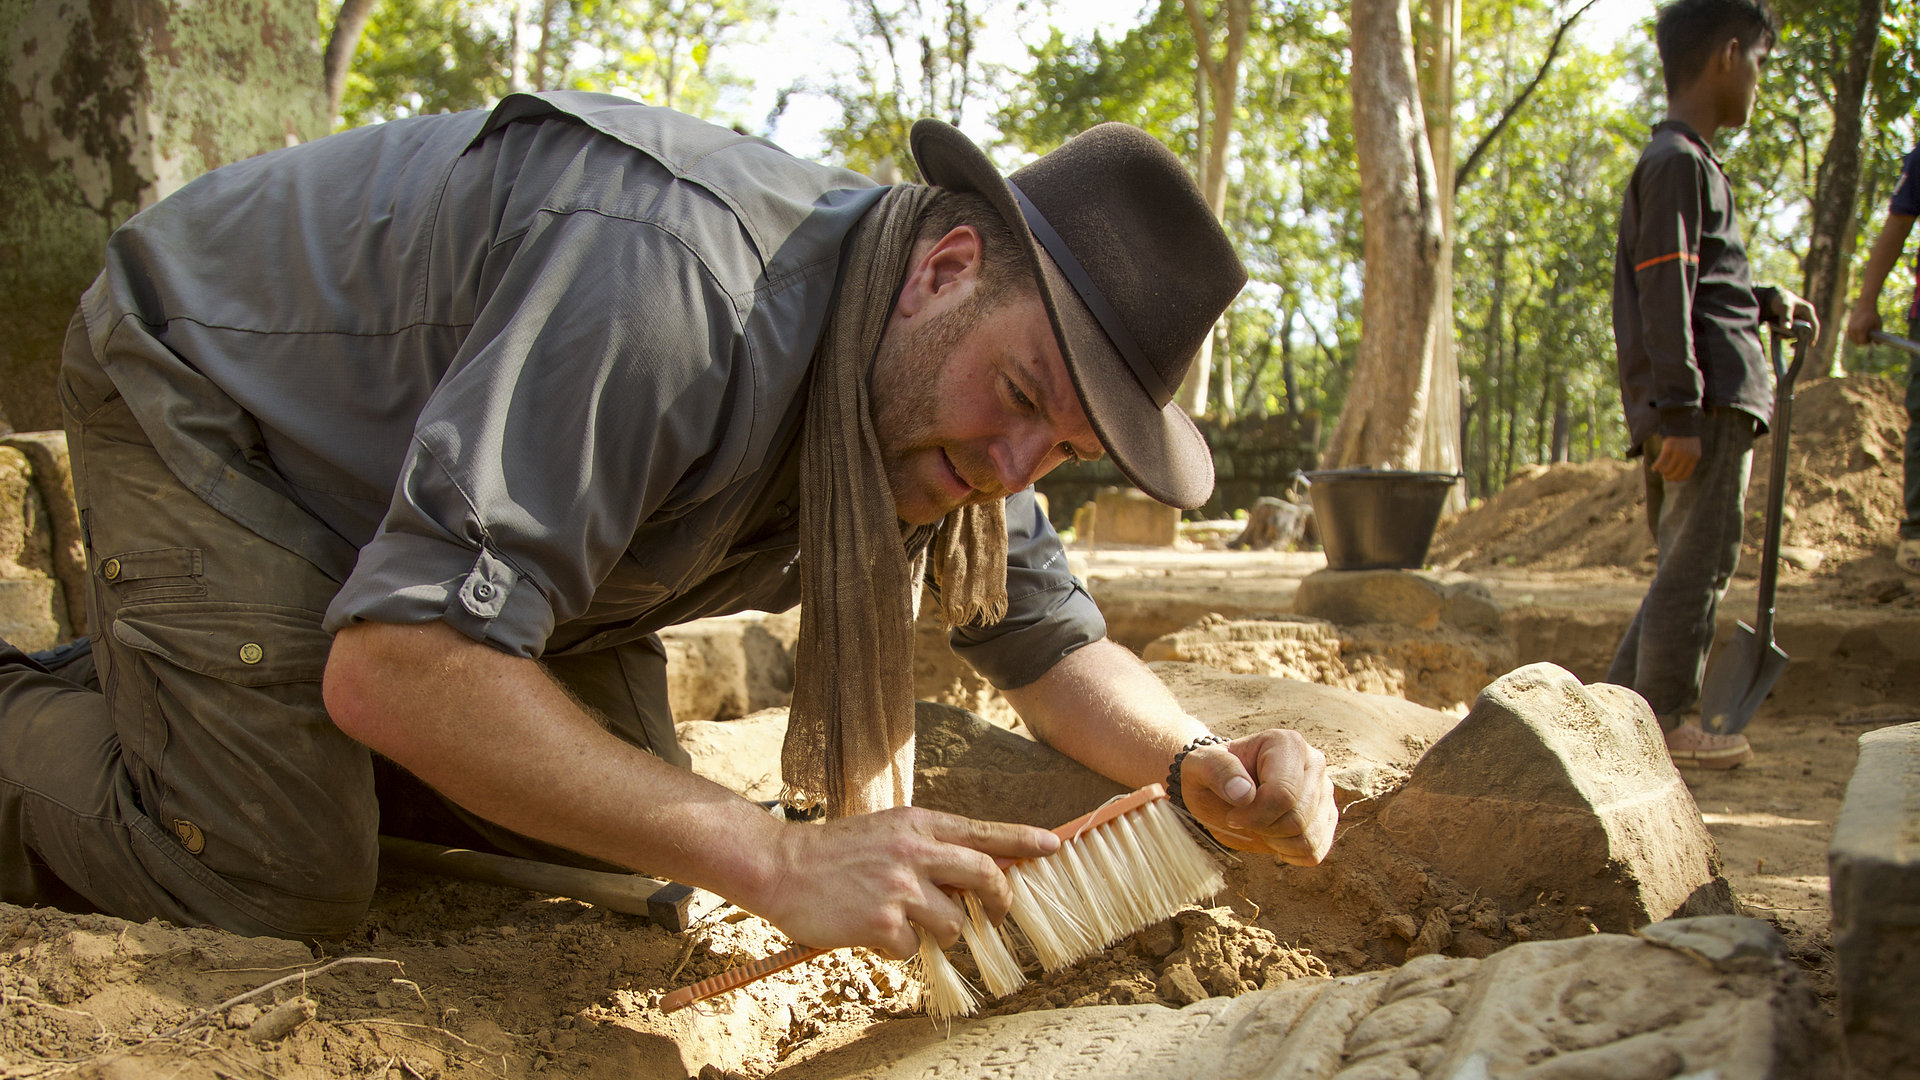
column 944, row 273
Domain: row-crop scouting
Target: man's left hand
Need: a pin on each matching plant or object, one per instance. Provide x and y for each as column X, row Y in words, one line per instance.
column 1268, row 792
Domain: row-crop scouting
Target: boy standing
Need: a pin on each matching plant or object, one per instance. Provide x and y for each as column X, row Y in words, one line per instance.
column 1695, row 382
column 1865, row 319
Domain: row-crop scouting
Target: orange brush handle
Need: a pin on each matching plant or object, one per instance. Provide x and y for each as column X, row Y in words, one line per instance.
column 1106, row 813
column 735, row 978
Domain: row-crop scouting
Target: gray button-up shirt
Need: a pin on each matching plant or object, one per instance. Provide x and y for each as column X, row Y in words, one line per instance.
column 538, row 373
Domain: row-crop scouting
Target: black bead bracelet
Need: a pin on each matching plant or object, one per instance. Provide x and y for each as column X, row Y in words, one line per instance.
column 1173, row 771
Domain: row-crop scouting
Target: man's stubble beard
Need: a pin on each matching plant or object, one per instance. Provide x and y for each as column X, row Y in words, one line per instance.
column 904, row 395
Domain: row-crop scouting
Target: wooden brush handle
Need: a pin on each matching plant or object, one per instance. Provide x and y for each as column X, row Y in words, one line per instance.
column 735, row 978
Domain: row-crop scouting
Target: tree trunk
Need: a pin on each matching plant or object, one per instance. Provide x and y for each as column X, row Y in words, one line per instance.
column 1835, row 214
column 1385, row 415
column 341, row 45
column 1561, row 450
column 1216, row 97
column 1440, row 449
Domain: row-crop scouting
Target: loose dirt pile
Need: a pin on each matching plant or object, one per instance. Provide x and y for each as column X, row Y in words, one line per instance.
column 1843, row 494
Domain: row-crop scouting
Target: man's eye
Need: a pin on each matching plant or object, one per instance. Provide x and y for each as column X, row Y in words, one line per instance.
column 1019, row 397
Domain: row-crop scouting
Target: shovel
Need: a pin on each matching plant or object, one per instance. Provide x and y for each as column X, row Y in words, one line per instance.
column 1745, row 671
column 1897, row 341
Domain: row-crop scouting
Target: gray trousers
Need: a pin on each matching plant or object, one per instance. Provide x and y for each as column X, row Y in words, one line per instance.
column 202, row 781
column 1697, row 524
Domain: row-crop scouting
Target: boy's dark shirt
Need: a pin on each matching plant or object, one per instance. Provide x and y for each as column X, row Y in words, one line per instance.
column 1686, row 320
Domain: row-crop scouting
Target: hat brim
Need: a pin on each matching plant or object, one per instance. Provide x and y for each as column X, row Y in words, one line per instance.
column 1156, row 447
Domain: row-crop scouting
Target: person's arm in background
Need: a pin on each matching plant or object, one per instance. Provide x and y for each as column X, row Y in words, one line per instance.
column 1864, row 319
column 1902, row 208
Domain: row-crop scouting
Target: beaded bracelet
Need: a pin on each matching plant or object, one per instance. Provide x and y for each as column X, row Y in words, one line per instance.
column 1173, row 771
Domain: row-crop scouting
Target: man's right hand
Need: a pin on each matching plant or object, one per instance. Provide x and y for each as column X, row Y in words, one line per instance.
column 1861, row 323
column 1678, row 455
column 868, row 880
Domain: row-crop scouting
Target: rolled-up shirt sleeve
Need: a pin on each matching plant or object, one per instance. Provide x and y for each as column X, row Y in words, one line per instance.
column 600, row 383
column 1049, row 612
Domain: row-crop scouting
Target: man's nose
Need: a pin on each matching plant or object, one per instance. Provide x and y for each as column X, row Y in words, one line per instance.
column 1022, row 458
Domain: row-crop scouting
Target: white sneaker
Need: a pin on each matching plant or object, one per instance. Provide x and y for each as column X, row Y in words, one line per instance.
column 1690, row 746
column 1907, row 555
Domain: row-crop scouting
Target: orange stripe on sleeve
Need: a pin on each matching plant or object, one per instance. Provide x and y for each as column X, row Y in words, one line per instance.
column 1669, row 257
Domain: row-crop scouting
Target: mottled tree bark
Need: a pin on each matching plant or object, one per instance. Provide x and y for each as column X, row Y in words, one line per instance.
column 1385, row 414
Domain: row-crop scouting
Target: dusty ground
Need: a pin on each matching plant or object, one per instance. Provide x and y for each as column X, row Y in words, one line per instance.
column 475, row 980
column 454, row 979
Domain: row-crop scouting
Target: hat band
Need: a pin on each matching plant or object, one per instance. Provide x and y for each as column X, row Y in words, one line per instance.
column 1094, row 299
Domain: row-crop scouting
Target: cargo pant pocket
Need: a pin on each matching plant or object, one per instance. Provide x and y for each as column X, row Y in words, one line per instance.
column 239, row 767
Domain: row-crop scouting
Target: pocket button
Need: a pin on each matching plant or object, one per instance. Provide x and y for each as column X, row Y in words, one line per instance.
column 110, row 569
column 251, row 653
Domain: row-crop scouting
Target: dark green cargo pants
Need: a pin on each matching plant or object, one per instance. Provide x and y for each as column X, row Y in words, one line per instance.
column 203, row 781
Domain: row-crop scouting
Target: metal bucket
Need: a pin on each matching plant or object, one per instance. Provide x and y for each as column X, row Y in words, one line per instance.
column 1377, row 519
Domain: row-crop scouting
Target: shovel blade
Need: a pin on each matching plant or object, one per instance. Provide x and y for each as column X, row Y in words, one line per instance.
column 1739, row 680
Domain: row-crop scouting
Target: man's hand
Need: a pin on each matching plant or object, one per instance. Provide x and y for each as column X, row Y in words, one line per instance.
column 868, row 880
column 1268, row 792
column 1678, row 455
column 1787, row 308
column 1861, row 323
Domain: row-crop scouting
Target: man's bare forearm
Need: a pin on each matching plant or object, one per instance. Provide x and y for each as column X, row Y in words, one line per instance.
column 1102, row 707
column 495, row 734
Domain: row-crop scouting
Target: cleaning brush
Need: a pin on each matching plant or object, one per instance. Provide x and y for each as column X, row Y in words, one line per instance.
column 1119, row 869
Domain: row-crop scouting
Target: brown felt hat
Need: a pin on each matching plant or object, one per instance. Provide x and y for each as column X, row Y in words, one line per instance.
column 1134, row 271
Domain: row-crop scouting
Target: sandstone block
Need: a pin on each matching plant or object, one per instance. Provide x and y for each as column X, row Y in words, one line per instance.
column 46, row 454
column 1127, row 516
column 1610, row 1006
column 1549, row 786
column 964, row 765
column 1442, row 668
column 1419, row 599
column 28, row 613
column 1874, row 867
column 740, row 755
column 727, row 667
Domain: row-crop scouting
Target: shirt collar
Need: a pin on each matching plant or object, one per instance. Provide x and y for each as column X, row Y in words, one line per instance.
column 1683, row 128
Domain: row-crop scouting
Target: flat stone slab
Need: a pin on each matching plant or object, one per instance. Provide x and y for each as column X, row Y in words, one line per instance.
column 1874, row 866
column 1442, row 667
column 1549, row 786
column 1613, row 1006
column 1417, row 598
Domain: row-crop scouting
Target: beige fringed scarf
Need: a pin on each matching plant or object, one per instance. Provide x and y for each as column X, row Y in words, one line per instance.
column 849, row 741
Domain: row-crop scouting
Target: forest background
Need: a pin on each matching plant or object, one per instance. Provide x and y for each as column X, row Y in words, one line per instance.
column 1534, row 112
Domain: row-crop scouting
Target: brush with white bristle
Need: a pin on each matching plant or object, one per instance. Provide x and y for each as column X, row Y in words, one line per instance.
column 1120, row 869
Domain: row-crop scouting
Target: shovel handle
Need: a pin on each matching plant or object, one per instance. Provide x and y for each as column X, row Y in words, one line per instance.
column 1897, row 341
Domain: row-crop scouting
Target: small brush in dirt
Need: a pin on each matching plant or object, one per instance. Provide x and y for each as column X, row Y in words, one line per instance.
column 1119, row 869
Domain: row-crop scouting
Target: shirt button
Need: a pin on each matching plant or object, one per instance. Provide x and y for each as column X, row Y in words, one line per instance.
column 783, row 510
column 251, row 653
column 483, row 591
column 110, row 569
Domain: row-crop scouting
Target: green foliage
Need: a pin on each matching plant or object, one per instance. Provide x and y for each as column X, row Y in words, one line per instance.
column 908, row 60
column 1534, row 223
column 422, row 56
column 426, row 56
